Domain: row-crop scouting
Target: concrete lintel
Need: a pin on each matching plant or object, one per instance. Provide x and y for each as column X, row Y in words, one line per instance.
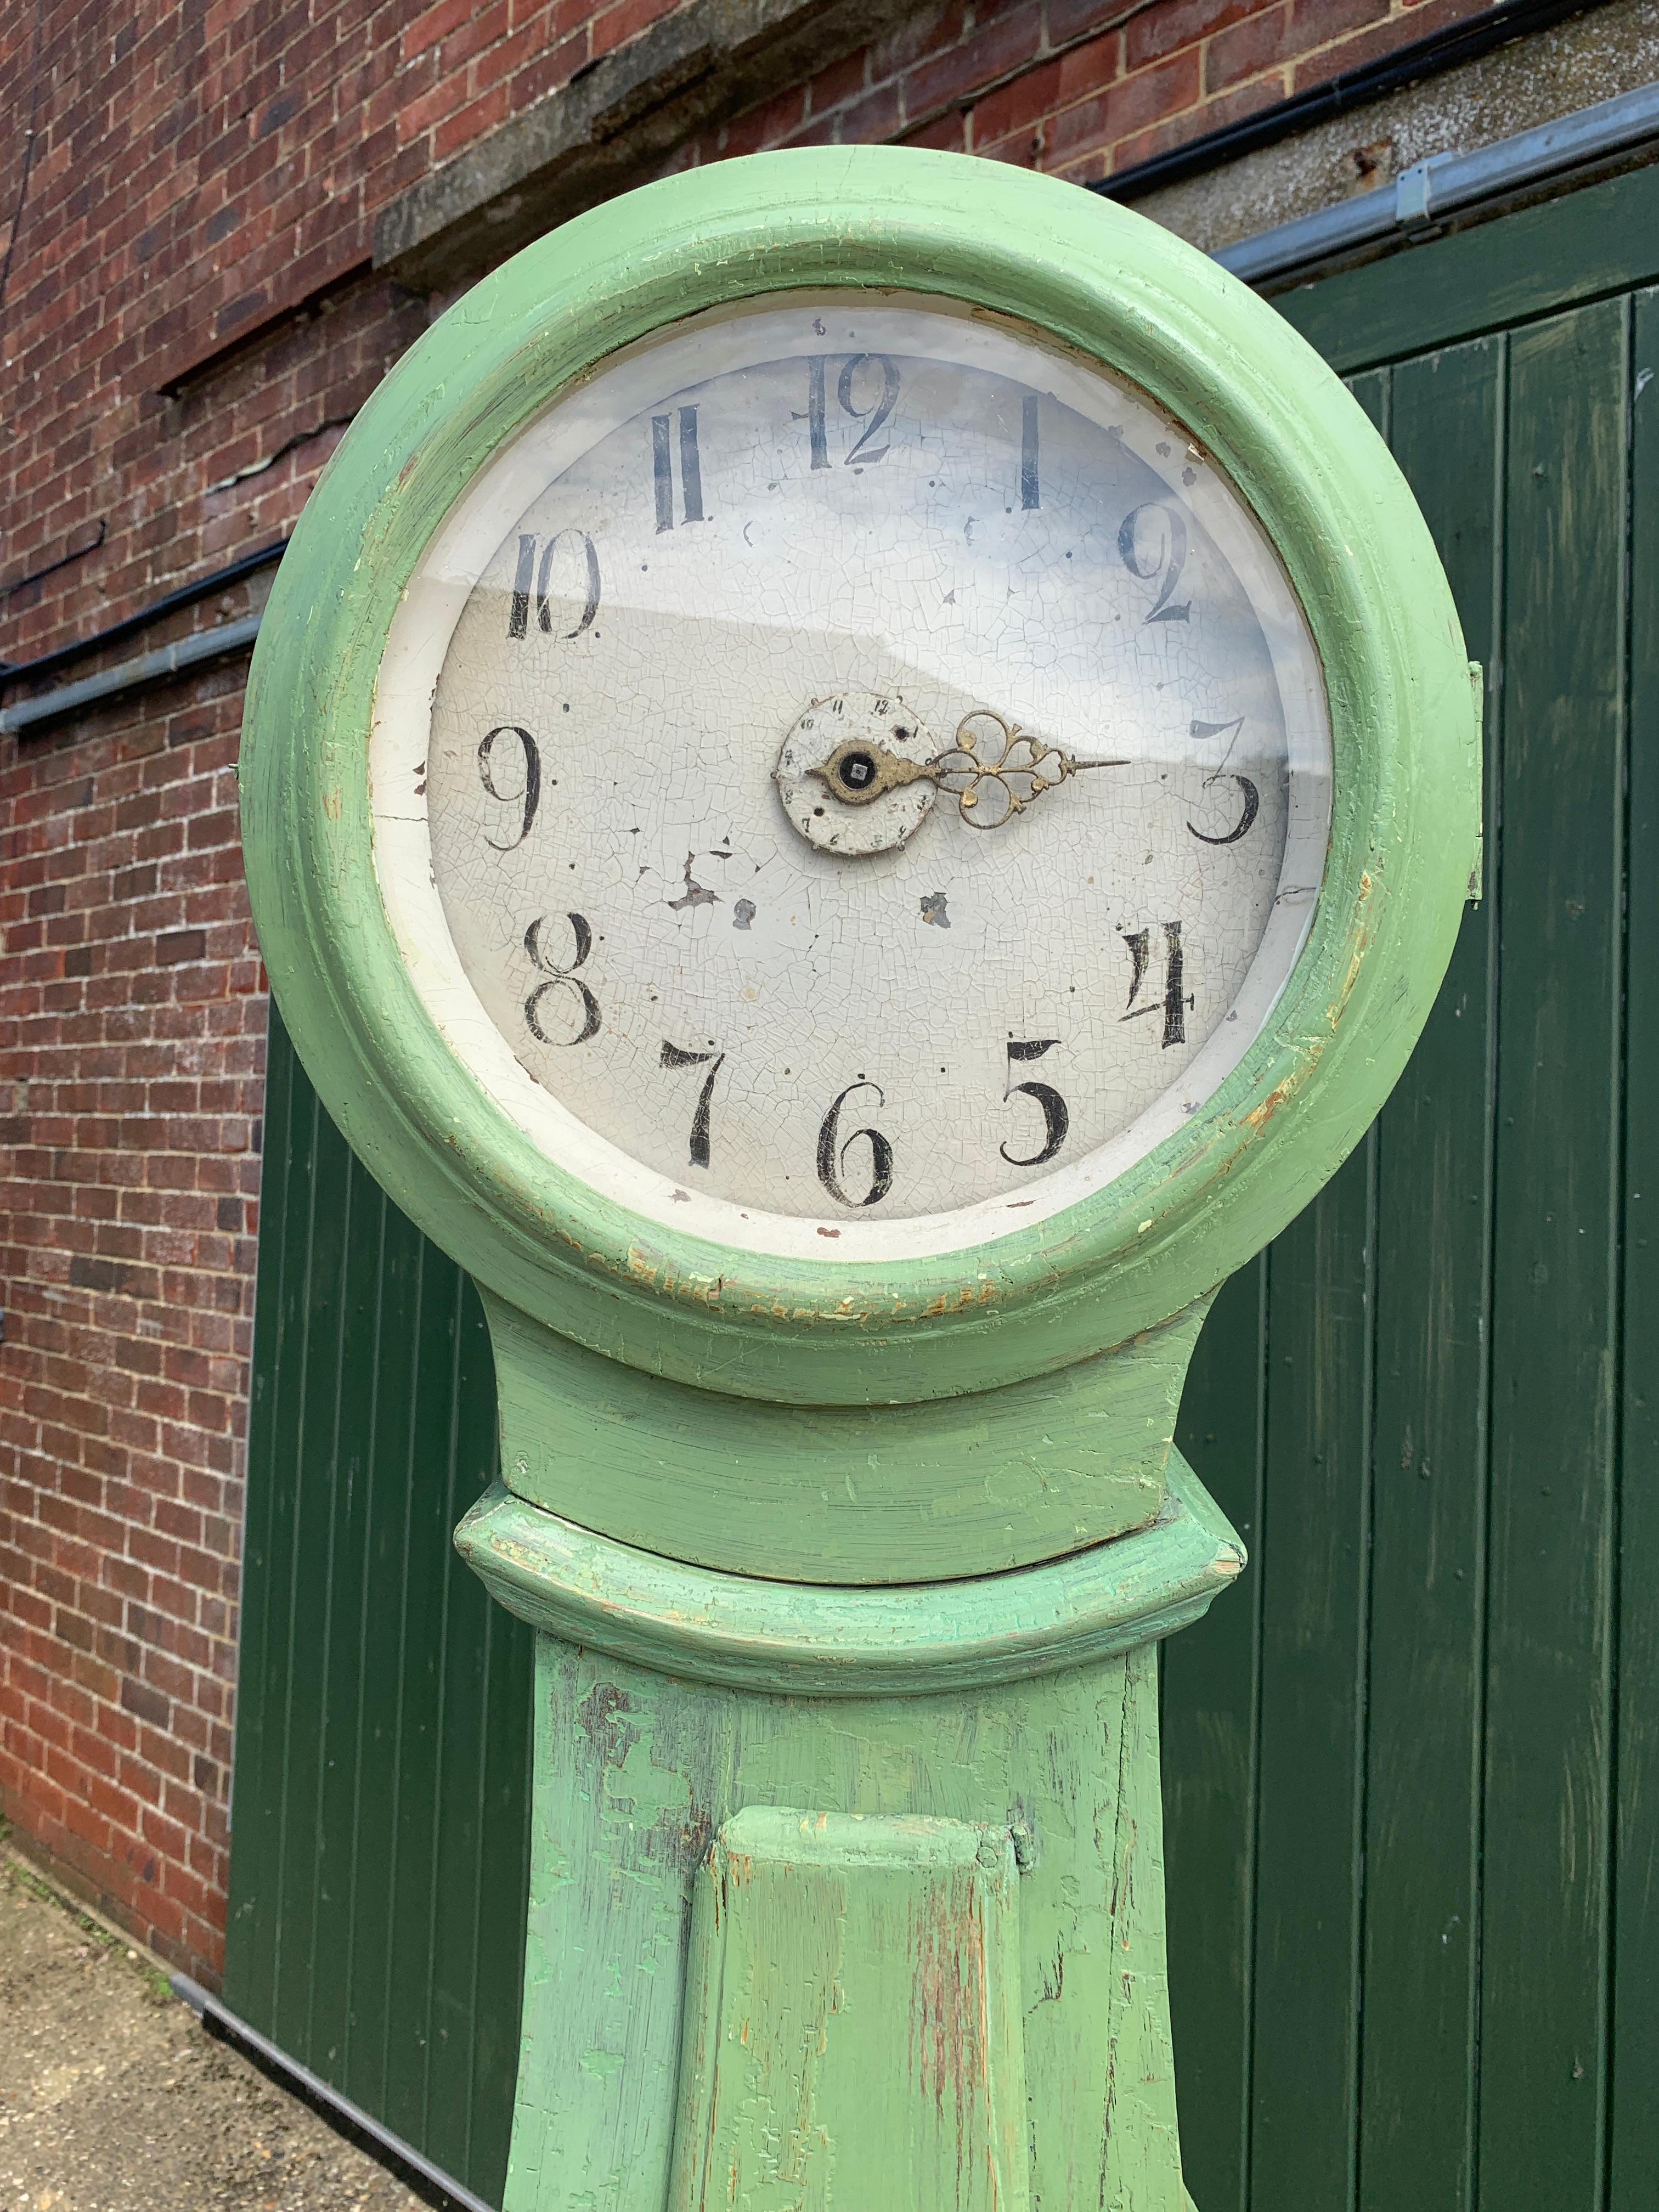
column 613, row 126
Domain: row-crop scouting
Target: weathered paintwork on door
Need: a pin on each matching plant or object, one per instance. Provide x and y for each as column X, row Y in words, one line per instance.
column 1411, row 1831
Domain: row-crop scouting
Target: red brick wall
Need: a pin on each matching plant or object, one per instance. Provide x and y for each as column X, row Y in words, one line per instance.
column 1081, row 87
column 201, row 178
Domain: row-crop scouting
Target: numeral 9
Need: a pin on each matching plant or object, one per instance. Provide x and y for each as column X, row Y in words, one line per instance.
column 529, row 797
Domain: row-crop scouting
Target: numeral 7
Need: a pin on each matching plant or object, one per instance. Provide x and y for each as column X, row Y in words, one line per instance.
column 674, row 1055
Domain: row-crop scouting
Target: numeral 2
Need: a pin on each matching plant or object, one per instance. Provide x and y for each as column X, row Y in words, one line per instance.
column 674, row 1055
column 662, row 469
column 518, row 618
column 1175, row 1000
column 1056, row 1116
column 873, row 416
column 1163, row 559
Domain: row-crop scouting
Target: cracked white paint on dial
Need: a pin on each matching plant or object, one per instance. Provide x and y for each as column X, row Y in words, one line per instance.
column 707, row 1013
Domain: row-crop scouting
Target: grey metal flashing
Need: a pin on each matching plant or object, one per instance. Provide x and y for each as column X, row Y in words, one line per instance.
column 409, row 2164
column 613, row 125
column 1430, row 192
column 196, row 651
column 1451, row 47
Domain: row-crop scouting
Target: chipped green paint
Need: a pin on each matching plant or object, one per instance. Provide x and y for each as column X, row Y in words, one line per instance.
column 637, row 1772
column 959, row 1485
column 869, row 1543
column 831, row 1952
column 814, row 1640
column 1125, row 1258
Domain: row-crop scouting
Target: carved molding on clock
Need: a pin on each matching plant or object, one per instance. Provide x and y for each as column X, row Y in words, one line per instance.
column 613, row 126
column 807, row 1640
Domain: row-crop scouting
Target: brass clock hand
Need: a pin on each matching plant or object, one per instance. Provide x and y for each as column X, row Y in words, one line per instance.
column 993, row 772
column 995, row 769
column 862, row 769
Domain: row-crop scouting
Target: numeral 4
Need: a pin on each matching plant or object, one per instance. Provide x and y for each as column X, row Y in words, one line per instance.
column 1177, row 999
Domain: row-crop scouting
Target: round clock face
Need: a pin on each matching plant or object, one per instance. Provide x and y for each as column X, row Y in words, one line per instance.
column 852, row 778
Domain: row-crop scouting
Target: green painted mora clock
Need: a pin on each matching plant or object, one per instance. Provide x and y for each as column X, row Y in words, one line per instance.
column 857, row 783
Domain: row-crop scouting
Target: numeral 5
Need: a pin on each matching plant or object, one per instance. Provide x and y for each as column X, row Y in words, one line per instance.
column 1056, row 1116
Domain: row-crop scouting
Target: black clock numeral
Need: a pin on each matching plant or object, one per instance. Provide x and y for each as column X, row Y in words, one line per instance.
column 833, row 1149
column 1152, row 543
column 662, row 469
column 816, row 433
column 1250, row 800
column 1056, row 1114
column 852, row 379
column 1030, row 494
column 1177, row 998
column 876, row 414
column 528, row 575
column 561, row 979
column 529, row 797
column 674, row 1055
column 1249, row 796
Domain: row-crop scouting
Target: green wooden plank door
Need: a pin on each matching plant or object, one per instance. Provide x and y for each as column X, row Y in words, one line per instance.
column 1634, row 2101
column 1449, row 1954
column 379, row 1841
column 1412, row 1765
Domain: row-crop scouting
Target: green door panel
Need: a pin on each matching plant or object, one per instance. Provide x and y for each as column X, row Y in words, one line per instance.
column 1411, row 1775
column 379, row 1853
column 1412, row 1764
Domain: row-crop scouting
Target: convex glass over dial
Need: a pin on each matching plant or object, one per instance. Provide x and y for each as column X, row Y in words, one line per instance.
column 852, row 777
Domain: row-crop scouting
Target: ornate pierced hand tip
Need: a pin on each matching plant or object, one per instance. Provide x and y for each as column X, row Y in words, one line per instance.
column 995, row 769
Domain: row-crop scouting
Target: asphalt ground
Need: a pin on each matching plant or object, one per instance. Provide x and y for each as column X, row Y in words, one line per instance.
column 113, row 2099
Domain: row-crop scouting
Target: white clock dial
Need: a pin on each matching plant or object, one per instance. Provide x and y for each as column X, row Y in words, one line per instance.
column 852, row 778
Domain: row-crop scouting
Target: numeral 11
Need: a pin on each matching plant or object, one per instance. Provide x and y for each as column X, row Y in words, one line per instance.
column 662, row 469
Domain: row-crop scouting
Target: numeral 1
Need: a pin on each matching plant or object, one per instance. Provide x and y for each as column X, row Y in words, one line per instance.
column 674, row 1055
column 662, row 469
column 1029, row 494
column 817, row 436
column 1177, row 999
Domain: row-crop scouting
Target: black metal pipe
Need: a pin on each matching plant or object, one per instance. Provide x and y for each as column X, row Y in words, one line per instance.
column 17, row 671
